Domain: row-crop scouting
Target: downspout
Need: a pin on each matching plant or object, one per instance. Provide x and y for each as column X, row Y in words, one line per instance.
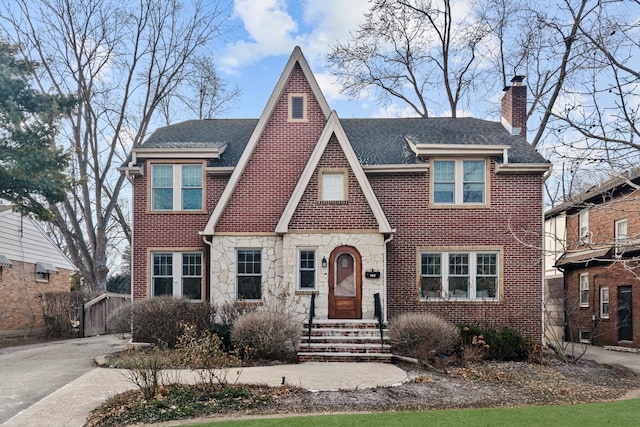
column 385, row 283
column 208, row 279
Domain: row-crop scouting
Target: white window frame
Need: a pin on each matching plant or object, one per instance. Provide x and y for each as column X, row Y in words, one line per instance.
column 584, row 289
column 459, row 182
column 293, row 96
column 620, row 235
column 333, row 184
column 472, row 274
column 604, row 302
column 177, row 273
column 585, row 234
column 178, row 187
column 306, row 268
column 254, row 274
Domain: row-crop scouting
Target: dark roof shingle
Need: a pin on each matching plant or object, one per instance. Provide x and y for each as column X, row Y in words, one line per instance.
column 375, row 141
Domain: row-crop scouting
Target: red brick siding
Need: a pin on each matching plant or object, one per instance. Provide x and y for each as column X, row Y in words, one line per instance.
column 606, row 331
column 20, row 293
column 515, row 213
column 172, row 230
column 312, row 214
column 514, row 108
column 602, row 220
column 275, row 165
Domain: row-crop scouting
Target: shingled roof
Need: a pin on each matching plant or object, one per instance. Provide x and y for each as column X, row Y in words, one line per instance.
column 375, row 141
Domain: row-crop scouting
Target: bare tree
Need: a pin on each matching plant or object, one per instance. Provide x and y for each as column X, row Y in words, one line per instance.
column 120, row 60
column 411, row 51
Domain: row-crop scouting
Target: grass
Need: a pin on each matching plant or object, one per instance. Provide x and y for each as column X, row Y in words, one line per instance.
column 590, row 414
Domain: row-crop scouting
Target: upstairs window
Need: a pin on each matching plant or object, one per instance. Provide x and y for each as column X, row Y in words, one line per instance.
column 297, row 107
column 333, row 185
column 585, row 234
column 459, row 182
column 176, row 187
column 621, row 236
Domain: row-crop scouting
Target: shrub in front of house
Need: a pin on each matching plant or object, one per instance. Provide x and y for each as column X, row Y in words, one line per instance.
column 504, row 344
column 423, row 336
column 266, row 335
column 157, row 320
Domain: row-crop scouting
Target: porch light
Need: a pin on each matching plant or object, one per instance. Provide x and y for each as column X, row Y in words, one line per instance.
column 324, row 262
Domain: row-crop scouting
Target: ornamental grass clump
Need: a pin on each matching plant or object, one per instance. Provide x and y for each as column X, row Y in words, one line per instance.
column 423, row 336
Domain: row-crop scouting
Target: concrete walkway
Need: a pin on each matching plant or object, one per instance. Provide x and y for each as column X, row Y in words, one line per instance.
column 71, row 404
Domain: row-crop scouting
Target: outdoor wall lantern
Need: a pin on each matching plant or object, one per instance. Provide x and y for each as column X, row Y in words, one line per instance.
column 324, row 262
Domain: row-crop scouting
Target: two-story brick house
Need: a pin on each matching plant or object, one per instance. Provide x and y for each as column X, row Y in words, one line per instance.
column 437, row 214
column 600, row 263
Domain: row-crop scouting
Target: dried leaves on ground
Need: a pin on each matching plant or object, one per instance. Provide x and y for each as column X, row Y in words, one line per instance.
column 491, row 384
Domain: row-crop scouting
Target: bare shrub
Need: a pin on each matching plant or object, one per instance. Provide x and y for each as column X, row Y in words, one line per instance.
column 145, row 370
column 423, row 336
column 157, row 320
column 232, row 310
column 56, row 312
column 119, row 322
column 203, row 352
column 269, row 335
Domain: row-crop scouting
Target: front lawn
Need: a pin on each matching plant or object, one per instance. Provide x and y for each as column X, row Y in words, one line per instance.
column 593, row 414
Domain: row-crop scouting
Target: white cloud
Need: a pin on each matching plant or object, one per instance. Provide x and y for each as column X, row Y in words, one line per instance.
column 272, row 31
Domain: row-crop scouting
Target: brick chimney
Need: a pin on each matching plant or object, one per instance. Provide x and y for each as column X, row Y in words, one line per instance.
column 514, row 108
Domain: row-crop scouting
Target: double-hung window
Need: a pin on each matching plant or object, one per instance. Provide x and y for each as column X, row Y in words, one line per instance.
column 178, row 274
column 584, row 289
column 459, row 275
column 585, row 235
column 333, row 185
column 459, row 182
column 176, row 187
column 621, row 235
column 249, row 274
column 604, row 303
column 307, row 269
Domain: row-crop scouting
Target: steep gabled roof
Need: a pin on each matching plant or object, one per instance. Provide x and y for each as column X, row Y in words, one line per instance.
column 332, row 127
column 296, row 58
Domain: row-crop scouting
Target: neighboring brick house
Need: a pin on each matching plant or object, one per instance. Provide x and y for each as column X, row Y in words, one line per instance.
column 31, row 265
column 440, row 214
column 601, row 263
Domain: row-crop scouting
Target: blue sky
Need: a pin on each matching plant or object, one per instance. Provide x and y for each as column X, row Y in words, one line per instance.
column 268, row 30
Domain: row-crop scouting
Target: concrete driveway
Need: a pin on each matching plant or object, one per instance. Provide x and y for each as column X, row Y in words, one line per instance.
column 29, row 373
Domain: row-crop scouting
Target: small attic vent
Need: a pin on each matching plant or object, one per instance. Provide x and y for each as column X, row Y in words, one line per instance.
column 297, row 107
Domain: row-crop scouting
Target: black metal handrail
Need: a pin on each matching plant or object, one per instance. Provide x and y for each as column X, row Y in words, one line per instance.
column 312, row 314
column 379, row 315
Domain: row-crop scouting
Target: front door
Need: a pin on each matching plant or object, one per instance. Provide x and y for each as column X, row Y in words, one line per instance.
column 345, row 284
column 625, row 318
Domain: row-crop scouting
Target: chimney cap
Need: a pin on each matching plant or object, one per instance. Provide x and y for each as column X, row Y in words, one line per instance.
column 517, row 80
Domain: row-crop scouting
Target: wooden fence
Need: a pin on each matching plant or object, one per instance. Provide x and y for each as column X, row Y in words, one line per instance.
column 97, row 311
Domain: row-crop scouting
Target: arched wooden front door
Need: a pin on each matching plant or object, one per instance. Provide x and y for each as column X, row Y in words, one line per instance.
column 345, row 283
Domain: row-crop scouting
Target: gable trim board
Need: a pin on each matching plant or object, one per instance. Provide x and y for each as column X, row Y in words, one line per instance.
column 296, row 58
column 332, row 127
